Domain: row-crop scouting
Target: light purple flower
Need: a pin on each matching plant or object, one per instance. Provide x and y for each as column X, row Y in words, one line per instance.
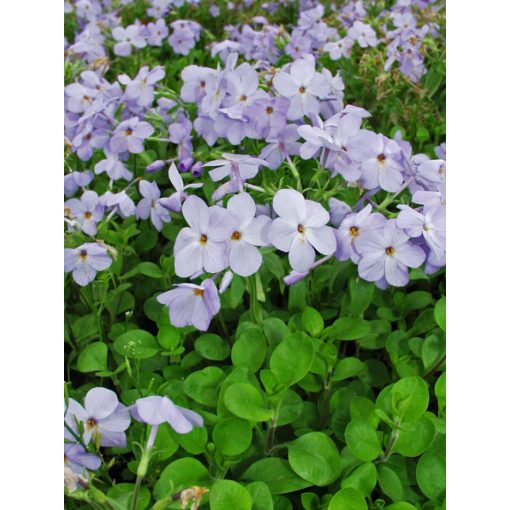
column 113, row 166
column 202, row 245
column 104, row 418
column 141, row 88
column 300, row 228
column 156, row 32
column 78, row 459
column 129, row 136
column 85, row 261
column 281, row 145
column 338, row 210
column 340, row 48
column 127, row 38
column 182, row 41
column 192, row 305
column 122, row 204
column 266, row 117
column 380, row 160
column 363, row 34
column 157, row 410
column 386, row 254
column 150, row 205
column 87, row 211
column 431, row 224
column 353, row 228
column 75, row 180
column 174, row 201
column 180, row 134
column 302, row 85
column 247, row 233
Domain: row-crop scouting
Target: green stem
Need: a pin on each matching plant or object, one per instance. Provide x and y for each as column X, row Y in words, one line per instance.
column 255, row 311
column 295, row 173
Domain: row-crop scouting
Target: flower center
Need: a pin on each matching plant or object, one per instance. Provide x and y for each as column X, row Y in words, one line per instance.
column 91, row 423
column 88, row 215
column 269, row 110
column 128, row 132
column 300, row 228
column 203, row 239
column 202, row 84
column 390, row 251
column 302, row 90
column 381, row 158
column 354, row 231
column 235, row 236
column 198, row 292
column 243, row 98
column 83, row 254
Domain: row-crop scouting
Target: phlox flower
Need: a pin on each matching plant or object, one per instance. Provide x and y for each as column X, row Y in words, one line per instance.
column 87, row 211
column 127, row 38
column 386, row 253
column 150, row 205
column 300, row 229
column 363, row 34
column 192, row 305
column 141, row 88
column 174, row 201
column 103, row 417
column 129, row 136
column 302, row 85
column 248, row 232
column 85, row 261
column 202, row 245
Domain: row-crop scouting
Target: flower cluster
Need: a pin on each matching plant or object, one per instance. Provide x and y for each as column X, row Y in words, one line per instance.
column 102, row 421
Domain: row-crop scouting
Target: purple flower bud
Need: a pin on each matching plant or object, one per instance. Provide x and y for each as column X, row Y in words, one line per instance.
column 294, row 277
column 185, row 164
column 155, row 166
column 196, row 169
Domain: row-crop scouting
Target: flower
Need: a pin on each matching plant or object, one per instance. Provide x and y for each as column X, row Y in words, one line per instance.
column 352, row 229
column 202, row 245
column 340, row 48
column 127, row 37
column 302, row 85
column 141, row 88
column 78, row 459
column 248, row 232
column 192, row 305
column 75, row 180
column 282, row 145
column 386, row 253
column 150, row 205
column 431, row 224
column 174, row 201
column 300, row 228
column 156, row 410
column 363, row 34
column 380, row 160
column 85, row 261
column 87, row 211
column 238, row 166
column 103, row 417
column 129, row 136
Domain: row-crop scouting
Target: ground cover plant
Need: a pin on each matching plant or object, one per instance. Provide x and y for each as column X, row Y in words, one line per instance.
column 254, row 255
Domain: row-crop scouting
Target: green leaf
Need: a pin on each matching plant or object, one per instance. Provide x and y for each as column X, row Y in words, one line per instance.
column 362, row 439
column 312, row 321
column 123, row 493
column 93, row 358
column 347, row 367
column 249, row 351
column 169, row 337
column 260, row 495
column 194, row 441
column 415, row 440
column 431, row 475
column 363, row 479
column 277, row 474
column 203, row 385
column 417, row 300
column 166, row 443
column 212, row 347
column 229, row 494
column 232, row 436
column 292, row 358
column 400, row 505
column 150, row 269
column 136, row 344
column 390, row 482
column 410, row 398
column 361, row 293
column 314, row 457
column 179, row 475
column 347, row 328
column 440, row 313
column 440, row 391
column 245, row 401
column 348, row 499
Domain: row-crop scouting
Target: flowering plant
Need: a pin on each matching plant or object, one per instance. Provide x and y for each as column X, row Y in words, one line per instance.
column 255, row 255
